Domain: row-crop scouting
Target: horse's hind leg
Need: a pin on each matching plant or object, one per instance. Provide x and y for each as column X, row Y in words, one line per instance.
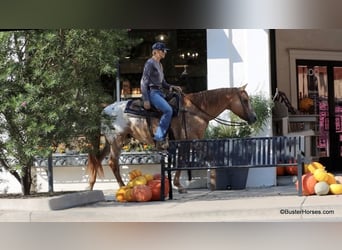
column 177, row 184
column 114, row 163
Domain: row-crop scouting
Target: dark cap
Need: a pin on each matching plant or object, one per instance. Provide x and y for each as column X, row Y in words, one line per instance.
column 159, row 46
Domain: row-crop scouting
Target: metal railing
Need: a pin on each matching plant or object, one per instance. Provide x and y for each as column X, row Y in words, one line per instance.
column 279, row 151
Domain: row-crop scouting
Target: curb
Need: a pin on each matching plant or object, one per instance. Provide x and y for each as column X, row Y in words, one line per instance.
column 53, row 203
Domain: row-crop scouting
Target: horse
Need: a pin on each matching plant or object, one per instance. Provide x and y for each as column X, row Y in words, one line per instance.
column 196, row 111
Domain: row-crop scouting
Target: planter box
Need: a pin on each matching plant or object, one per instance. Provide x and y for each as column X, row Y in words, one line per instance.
column 234, row 178
column 231, row 178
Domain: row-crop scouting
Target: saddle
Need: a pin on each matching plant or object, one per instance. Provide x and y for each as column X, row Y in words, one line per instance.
column 136, row 107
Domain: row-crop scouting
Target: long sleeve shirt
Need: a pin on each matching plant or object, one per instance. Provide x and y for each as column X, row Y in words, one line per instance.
column 153, row 77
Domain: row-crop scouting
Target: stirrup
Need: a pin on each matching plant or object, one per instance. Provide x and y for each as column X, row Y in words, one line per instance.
column 162, row 145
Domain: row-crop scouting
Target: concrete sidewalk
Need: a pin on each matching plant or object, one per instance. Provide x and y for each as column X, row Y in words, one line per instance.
column 280, row 203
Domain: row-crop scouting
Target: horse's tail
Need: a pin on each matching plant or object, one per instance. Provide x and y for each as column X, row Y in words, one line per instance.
column 94, row 166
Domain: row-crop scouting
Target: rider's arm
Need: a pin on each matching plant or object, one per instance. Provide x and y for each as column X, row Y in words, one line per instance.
column 144, row 83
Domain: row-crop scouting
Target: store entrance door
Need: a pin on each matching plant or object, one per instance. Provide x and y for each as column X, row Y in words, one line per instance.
column 321, row 82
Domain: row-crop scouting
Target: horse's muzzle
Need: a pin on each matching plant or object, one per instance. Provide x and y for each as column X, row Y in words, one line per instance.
column 252, row 118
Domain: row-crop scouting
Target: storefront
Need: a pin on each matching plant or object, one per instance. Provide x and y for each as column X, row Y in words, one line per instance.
column 185, row 64
column 309, row 71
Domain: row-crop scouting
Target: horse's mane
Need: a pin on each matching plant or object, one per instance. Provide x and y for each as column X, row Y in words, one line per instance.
column 209, row 97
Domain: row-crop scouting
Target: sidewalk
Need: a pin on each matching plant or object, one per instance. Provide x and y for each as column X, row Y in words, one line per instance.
column 279, row 203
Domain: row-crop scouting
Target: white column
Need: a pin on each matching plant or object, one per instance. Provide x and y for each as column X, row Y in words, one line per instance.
column 237, row 57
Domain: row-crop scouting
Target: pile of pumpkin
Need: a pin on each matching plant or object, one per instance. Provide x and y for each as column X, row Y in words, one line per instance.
column 316, row 180
column 142, row 187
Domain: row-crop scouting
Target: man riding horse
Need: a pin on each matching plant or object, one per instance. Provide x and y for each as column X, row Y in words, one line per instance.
column 152, row 83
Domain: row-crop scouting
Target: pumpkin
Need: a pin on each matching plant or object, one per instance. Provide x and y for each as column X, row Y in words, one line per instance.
column 129, row 194
column 140, row 180
column 321, row 175
column 336, row 188
column 291, row 170
column 321, row 188
column 331, row 179
column 134, row 173
column 148, row 177
column 130, row 184
column 280, row 171
column 120, row 194
column 306, row 104
column 142, row 193
column 155, row 186
column 157, row 176
column 308, row 184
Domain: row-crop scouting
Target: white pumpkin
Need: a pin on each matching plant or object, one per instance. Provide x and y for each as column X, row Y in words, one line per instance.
column 321, row 188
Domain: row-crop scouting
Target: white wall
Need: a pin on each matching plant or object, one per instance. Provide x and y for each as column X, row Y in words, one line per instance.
column 237, row 57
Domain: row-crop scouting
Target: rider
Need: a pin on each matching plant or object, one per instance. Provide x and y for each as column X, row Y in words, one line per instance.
column 152, row 82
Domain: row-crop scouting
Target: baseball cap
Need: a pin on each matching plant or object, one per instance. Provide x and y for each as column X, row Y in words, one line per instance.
column 159, row 46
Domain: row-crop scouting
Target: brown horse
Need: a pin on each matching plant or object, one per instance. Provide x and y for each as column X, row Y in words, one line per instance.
column 196, row 112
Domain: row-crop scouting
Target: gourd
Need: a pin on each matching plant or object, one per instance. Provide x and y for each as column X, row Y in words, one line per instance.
column 120, row 194
column 140, row 180
column 148, row 177
column 331, row 179
column 336, row 188
column 129, row 194
column 321, row 175
column 134, row 173
column 321, row 188
column 315, row 165
column 142, row 193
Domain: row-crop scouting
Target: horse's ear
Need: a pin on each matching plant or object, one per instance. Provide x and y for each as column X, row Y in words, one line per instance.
column 243, row 87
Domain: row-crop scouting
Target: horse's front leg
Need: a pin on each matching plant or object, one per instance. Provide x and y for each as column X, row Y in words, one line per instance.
column 177, row 184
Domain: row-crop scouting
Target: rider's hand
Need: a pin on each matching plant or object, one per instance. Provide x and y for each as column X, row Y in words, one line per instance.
column 176, row 88
column 147, row 105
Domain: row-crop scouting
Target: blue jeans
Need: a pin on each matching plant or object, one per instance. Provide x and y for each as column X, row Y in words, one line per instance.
column 157, row 99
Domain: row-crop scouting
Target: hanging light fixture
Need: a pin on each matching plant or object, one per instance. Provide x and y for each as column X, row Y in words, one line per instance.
column 161, row 38
column 189, row 55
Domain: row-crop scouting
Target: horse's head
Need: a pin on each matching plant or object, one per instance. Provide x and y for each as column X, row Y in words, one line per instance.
column 241, row 106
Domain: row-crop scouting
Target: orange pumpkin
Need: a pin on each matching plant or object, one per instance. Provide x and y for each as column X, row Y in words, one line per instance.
column 280, row 171
column 142, row 193
column 292, row 170
column 157, row 176
column 155, row 186
column 308, row 184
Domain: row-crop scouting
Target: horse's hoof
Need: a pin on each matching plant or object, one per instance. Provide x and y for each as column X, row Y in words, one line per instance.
column 182, row 190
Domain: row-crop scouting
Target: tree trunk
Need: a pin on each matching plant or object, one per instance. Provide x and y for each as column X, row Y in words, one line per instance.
column 26, row 180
